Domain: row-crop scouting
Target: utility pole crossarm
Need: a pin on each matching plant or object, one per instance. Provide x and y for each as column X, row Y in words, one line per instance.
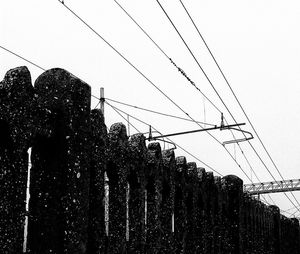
column 272, row 187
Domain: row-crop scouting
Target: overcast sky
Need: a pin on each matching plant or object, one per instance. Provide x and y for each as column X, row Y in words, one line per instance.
column 256, row 43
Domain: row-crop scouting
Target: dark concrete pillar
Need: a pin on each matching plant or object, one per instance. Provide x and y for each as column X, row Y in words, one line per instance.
column 295, row 235
column 200, row 223
column 247, row 226
column 16, row 130
column 233, row 189
column 191, row 204
column 60, row 158
column 217, row 213
column 154, row 197
column 180, row 212
column 276, row 235
column 99, row 142
column 208, row 215
column 167, row 205
column 137, row 182
column 117, row 171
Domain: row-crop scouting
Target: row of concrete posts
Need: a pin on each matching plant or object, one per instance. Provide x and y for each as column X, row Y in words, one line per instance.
column 93, row 191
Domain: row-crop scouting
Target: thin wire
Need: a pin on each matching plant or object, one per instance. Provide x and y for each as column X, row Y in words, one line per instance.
column 220, row 96
column 166, row 55
column 23, row 58
column 156, row 112
column 192, row 54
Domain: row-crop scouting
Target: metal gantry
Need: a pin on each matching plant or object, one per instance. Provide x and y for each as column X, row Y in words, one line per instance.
column 272, row 187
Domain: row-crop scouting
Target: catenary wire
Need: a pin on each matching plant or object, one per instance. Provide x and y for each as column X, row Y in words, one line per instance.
column 232, row 91
column 166, row 55
column 208, row 79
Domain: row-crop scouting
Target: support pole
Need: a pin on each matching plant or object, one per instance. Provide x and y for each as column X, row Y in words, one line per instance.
column 102, row 100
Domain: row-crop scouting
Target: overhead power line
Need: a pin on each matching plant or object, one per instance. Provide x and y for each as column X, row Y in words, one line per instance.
column 244, row 112
column 23, row 58
column 167, row 56
column 159, row 113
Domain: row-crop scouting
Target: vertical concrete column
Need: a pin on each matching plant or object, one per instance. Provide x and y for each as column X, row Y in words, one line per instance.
column 271, row 230
column 60, row 175
column 276, row 235
column 154, row 197
column 206, row 227
column 167, row 205
column 199, row 222
column 99, row 142
column 16, row 129
column 117, row 172
column 136, row 205
column 208, row 215
column 246, row 230
column 180, row 213
column 284, row 235
column 60, row 158
column 233, row 189
column 295, row 235
column 217, row 211
column 260, row 226
column 256, row 232
column 191, row 204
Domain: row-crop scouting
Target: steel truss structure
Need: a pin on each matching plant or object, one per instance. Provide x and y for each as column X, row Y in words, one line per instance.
column 272, row 187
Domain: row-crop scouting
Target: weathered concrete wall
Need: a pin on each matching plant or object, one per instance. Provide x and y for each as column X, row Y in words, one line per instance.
column 157, row 203
column 16, row 130
column 59, row 191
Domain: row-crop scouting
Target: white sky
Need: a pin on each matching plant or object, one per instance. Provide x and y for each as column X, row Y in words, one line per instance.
column 256, row 43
